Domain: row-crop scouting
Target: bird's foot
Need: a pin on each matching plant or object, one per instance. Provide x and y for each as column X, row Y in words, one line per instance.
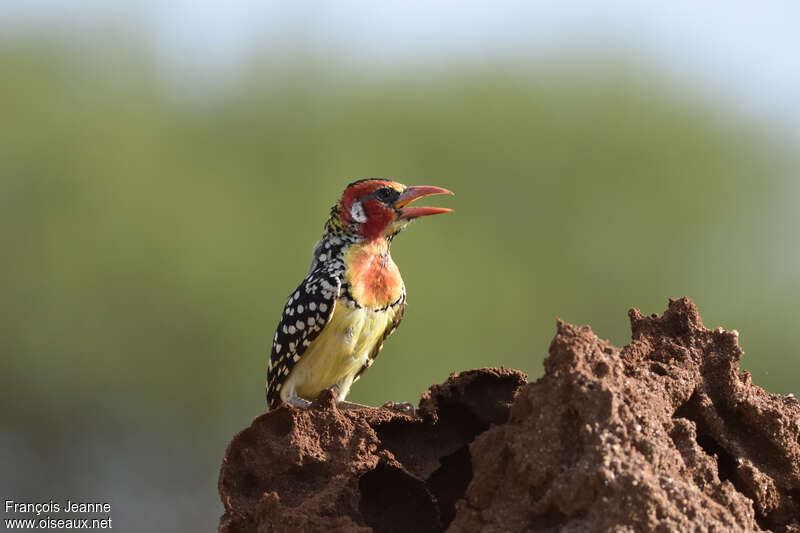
column 298, row 402
column 406, row 408
column 352, row 405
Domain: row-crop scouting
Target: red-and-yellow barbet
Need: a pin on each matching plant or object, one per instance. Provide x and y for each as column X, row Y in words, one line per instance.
column 335, row 322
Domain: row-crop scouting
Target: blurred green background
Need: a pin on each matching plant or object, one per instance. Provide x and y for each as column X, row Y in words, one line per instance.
column 151, row 235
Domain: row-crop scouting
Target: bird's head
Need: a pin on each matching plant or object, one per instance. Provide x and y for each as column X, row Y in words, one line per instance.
column 375, row 208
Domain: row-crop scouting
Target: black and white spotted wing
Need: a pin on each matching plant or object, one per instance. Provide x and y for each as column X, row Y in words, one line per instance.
column 307, row 311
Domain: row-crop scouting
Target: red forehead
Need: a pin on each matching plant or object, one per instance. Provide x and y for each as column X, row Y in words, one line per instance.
column 364, row 187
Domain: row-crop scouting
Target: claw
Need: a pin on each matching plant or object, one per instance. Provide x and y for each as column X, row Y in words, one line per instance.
column 298, row 402
column 352, row 405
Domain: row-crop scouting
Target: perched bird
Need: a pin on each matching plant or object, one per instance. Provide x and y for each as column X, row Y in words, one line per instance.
column 335, row 322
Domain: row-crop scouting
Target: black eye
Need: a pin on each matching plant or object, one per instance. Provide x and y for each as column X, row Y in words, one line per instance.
column 385, row 194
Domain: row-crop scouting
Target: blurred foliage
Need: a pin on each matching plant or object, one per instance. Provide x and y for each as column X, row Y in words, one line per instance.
column 150, row 238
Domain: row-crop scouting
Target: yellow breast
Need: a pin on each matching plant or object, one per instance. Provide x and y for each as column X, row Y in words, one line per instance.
column 340, row 351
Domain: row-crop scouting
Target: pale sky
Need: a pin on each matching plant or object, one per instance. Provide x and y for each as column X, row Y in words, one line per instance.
column 745, row 53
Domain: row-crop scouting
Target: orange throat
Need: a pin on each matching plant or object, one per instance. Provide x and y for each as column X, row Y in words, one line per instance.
column 374, row 278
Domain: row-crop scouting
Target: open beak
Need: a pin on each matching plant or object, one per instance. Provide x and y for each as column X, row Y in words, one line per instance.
column 415, row 193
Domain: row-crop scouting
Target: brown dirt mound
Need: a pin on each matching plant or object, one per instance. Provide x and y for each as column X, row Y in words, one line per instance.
column 666, row 434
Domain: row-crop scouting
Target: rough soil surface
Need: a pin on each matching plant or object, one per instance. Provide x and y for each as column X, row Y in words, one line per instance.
column 666, row 434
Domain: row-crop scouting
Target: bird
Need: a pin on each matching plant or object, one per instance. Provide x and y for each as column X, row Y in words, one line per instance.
column 353, row 298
